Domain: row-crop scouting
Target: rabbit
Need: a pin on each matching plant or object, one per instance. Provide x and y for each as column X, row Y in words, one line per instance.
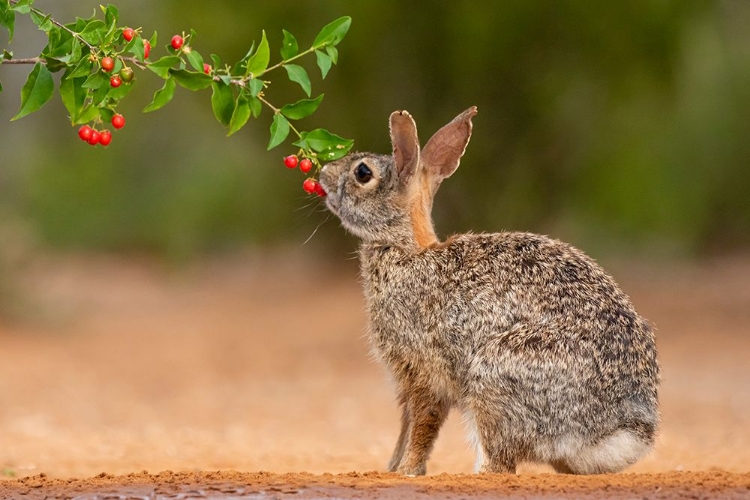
column 527, row 336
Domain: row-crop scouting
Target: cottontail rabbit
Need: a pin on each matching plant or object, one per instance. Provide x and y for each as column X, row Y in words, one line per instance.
column 525, row 335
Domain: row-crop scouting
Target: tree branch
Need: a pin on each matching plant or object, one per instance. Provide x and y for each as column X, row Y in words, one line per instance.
column 28, row 60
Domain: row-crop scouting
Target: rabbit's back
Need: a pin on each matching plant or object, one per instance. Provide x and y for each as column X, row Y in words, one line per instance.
column 517, row 320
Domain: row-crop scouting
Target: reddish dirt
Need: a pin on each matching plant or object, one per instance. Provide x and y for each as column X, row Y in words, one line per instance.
column 264, row 485
column 260, row 365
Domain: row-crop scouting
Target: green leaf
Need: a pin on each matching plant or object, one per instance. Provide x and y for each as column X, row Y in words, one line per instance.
column 255, row 86
column 74, row 53
column 258, row 63
column 289, row 47
column 279, row 130
column 98, row 95
column 95, row 81
column 22, row 6
column 256, row 106
column 7, row 19
column 106, row 114
column 89, row 114
column 328, row 146
column 136, row 47
column 240, row 65
column 37, row 90
column 240, row 116
column 73, row 95
column 43, row 22
column 216, row 60
column 302, row 108
column 82, row 69
column 301, row 142
column 324, row 62
column 222, row 102
column 299, row 75
column 333, row 53
column 111, row 14
column 94, row 32
column 163, row 65
column 191, row 80
column 195, row 60
column 1, row 86
column 333, row 33
column 79, row 24
column 60, row 43
column 162, row 96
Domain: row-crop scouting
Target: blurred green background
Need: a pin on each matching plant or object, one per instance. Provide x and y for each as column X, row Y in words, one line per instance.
column 620, row 126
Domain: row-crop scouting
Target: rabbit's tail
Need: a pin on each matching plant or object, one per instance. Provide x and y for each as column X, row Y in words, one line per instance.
column 610, row 454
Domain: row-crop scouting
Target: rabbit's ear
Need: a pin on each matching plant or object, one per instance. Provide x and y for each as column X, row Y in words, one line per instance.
column 405, row 144
column 442, row 153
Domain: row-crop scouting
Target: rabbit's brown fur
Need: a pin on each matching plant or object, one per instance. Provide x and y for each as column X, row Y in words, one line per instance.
column 526, row 335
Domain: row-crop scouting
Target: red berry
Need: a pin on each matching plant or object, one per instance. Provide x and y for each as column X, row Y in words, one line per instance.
column 95, row 137
column 105, row 137
column 108, row 64
column 309, row 185
column 115, row 81
column 291, row 161
column 207, row 68
column 319, row 190
column 177, row 42
column 146, row 48
column 85, row 132
column 305, row 165
column 118, row 121
column 128, row 34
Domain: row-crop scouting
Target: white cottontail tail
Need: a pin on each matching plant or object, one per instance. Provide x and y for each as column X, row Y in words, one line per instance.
column 525, row 335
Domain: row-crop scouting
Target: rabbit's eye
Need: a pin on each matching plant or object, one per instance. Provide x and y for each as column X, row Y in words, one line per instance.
column 363, row 173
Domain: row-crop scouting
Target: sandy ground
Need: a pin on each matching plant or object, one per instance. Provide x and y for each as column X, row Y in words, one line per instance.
column 259, row 364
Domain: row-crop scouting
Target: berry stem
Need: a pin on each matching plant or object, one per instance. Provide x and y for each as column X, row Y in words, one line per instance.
column 276, row 111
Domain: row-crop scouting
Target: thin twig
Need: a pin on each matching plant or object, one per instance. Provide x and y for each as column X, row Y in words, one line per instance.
column 274, row 108
column 27, row 60
column 134, row 62
column 278, row 111
column 34, row 60
column 287, row 61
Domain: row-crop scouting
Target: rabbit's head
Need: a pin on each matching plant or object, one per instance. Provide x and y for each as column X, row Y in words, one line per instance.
column 388, row 199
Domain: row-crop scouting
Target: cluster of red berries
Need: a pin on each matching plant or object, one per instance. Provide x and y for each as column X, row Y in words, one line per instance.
column 305, row 165
column 126, row 74
column 94, row 137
